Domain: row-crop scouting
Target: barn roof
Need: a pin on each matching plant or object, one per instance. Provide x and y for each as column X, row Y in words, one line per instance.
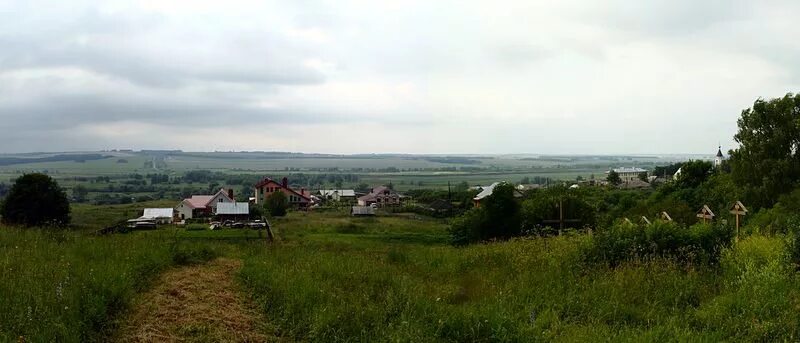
column 198, row 201
column 157, row 213
column 233, row 208
column 488, row 190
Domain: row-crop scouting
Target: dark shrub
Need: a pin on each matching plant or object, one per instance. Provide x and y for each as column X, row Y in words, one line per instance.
column 35, row 200
column 277, row 204
column 697, row 244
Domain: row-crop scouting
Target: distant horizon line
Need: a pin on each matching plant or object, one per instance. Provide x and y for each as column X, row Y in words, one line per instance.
column 360, row 154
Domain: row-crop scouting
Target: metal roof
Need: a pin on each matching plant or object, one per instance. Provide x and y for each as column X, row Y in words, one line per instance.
column 342, row 192
column 233, row 208
column 488, row 190
column 157, row 213
column 629, row 170
column 362, row 211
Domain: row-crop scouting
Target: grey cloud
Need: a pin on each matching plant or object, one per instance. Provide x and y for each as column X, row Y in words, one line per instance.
column 128, row 47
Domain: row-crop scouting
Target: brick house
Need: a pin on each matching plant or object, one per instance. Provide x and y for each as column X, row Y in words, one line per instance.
column 380, row 196
column 267, row 186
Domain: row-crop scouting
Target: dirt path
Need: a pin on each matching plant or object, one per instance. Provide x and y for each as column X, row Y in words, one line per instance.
column 199, row 303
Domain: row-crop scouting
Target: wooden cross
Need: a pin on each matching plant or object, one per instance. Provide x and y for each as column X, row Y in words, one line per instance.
column 705, row 214
column 561, row 220
column 738, row 209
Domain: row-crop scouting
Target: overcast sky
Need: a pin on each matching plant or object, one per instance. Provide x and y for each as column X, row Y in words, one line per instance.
column 580, row 77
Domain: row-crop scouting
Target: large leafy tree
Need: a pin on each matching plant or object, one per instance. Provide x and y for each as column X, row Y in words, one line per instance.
column 613, row 178
column 694, row 173
column 497, row 218
column 767, row 163
column 35, row 200
column 502, row 211
column 277, row 204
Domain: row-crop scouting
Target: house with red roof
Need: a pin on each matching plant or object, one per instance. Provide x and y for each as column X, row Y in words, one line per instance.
column 203, row 205
column 297, row 198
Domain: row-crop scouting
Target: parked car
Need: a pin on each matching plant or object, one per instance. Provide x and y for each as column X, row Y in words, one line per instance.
column 145, row 225
column 232, row 224
column 257, row 224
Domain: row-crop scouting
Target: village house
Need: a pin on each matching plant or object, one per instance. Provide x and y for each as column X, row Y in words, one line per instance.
column 203, row 205
column 235, row 211
column 380, row 196
column 628, row 174
column 267, row 186
column 337, row 194
column 486, row 191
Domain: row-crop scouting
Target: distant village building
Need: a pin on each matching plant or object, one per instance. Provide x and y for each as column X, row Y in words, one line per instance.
column 441, row 207
column 267, row 186
column 486, row 191
column 203, row 205
column 337, row 194
column 380, row 196
column 628, row 174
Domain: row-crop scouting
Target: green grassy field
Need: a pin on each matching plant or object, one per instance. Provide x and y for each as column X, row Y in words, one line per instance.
column 394, row 277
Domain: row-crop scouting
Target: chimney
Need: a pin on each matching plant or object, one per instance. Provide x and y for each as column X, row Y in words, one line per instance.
column 230, row 194
column 285, row 182
column 302, row 191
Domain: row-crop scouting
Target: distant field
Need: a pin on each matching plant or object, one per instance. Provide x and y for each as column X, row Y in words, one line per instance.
column 129, row 180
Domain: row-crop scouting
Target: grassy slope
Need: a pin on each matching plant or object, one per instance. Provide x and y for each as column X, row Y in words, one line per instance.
column 333, row 279
column 395, row 278
column 67, row 286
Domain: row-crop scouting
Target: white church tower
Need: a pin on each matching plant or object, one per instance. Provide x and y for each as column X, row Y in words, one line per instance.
column 718, row 159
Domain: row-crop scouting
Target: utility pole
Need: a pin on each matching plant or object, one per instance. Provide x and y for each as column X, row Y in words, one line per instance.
column 448, row 191
column 560, row 215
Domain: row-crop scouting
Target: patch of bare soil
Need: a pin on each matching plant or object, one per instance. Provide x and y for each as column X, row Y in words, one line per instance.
column 200, row 303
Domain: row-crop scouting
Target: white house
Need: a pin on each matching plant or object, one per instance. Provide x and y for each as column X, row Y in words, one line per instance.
column 203, row 205
column 628, row 174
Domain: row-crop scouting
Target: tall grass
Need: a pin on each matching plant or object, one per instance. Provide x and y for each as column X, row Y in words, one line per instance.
column 67, row 287
column 522, row 290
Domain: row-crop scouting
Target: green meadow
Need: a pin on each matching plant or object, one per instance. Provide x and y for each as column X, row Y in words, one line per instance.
column 330, row 277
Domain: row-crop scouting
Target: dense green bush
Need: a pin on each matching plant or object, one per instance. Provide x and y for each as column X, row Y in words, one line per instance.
column 497, row 218
column 697, row 244
column 543, row 205
column 277, row 204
